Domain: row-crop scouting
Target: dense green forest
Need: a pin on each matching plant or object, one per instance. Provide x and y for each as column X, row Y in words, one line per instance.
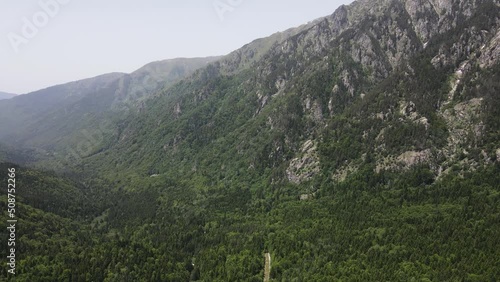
column 372, row 227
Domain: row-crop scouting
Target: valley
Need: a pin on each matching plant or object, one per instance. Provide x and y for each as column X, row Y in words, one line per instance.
column 362, row 146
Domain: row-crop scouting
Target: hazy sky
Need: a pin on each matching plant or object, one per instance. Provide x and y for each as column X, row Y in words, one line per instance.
column 48, row 42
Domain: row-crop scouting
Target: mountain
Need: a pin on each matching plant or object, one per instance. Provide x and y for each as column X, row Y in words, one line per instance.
column 4, row 95
column 357, row 73
column 55, row 116
column 363, row 146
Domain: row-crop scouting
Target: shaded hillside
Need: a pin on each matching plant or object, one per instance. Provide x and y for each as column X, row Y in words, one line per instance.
column 58, row 116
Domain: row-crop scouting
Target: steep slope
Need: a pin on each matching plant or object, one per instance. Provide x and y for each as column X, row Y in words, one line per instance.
column 59, row 115
column 19, row 113
column 362, row 65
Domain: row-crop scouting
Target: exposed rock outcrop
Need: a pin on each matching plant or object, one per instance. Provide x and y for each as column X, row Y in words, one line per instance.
column 303, row 168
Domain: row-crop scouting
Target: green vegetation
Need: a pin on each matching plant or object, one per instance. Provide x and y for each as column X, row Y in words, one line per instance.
column 194, row 184
column 370, row 227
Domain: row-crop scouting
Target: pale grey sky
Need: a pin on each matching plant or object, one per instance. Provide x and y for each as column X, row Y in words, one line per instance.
column 48, row 42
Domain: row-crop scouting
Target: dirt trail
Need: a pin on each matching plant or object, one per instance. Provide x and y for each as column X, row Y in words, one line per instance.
column 267, row 268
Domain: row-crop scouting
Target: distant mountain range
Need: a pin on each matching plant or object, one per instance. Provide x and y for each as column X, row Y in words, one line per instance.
column 49, row 117
column 4, row 95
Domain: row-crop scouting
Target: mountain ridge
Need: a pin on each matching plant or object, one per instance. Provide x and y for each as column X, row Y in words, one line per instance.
column 36, row 119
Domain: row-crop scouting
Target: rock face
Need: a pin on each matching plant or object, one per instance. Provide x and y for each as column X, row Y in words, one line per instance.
column 404, row 161
column 490, row 52
column 177, row 110
column 463, row 127
column 377, row 35
column 304, row 167
column 412, row 158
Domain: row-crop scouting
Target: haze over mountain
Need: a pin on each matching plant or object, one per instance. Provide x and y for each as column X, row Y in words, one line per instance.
column 139, row 34
column 47, row 117
column 4, row 95
column 363, row 146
